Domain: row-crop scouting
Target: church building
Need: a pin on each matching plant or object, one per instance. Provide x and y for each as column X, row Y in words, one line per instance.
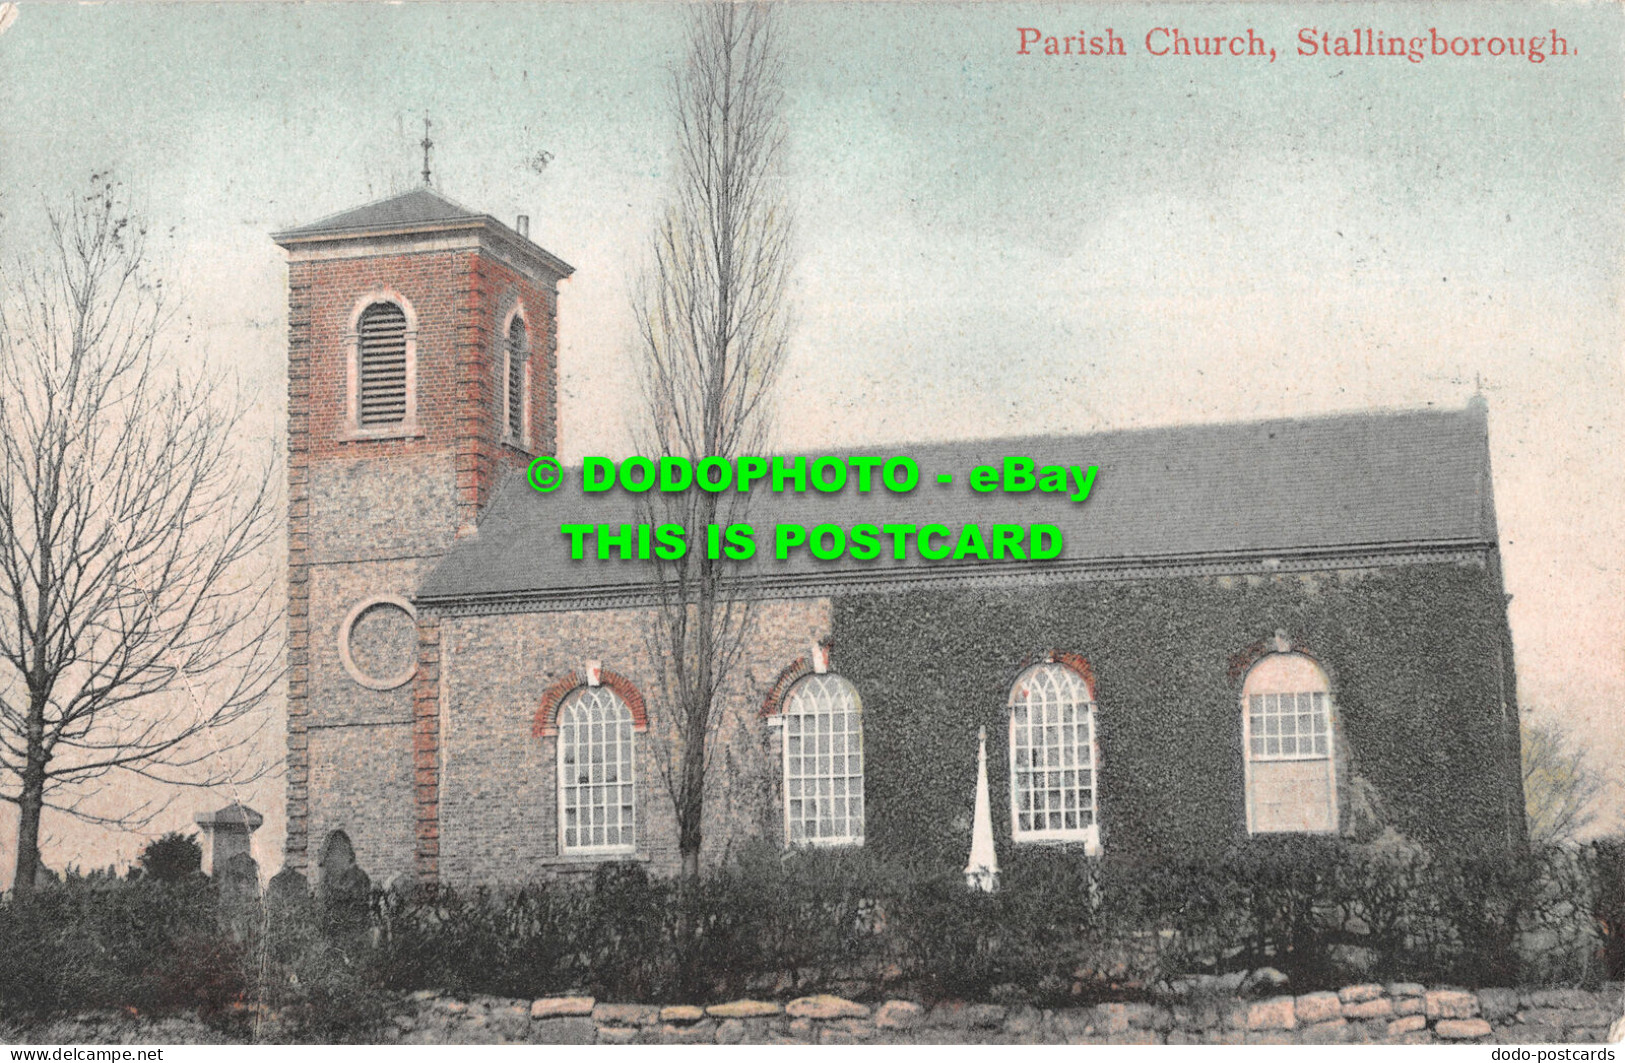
column 1261, row 629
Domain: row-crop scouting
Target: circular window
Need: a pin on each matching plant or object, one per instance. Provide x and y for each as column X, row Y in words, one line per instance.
column 378, row 642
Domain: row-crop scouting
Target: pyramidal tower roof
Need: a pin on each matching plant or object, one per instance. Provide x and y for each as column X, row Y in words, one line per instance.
column 420, row 205
column 421, row 216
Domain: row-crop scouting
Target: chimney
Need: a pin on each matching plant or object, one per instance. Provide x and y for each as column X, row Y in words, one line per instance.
column 523, row 225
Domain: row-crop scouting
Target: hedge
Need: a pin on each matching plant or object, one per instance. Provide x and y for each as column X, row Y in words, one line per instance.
column 1062, row 928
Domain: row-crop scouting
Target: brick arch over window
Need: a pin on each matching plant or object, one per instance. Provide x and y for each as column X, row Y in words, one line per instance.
column 1075, row 661
column 361, row 419
column 773, row 704
column 1242, row 663
column 546, row 723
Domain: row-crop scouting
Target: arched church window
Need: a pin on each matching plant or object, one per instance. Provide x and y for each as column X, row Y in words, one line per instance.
column 823, row 762
column 518, row 348
column 1288, row 735
column 1053, row 763
column 381, row 370
column 597, row 775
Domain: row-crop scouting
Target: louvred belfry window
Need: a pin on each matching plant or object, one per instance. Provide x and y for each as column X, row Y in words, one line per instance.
column 516, row 379
column 382, row 393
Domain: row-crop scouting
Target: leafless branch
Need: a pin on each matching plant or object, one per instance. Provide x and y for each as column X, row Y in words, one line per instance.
column 1561, row 787
column 713, row 322
column 134, row 636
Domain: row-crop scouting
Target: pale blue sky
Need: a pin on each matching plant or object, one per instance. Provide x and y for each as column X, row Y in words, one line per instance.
column 988, row 243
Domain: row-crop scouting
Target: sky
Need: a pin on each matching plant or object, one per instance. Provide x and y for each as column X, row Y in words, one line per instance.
column 987, row 243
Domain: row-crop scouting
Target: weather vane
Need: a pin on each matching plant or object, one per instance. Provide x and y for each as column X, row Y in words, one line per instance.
column 427, row 144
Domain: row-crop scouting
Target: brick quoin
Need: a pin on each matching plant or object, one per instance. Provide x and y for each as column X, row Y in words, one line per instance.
column 426, row 749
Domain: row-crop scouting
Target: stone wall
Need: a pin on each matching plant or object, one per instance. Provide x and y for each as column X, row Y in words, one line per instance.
column 1399, row 1013
column 1362, row 1014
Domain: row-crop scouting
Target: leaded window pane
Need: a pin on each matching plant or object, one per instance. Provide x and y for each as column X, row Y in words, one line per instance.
column 1288, row 726
column 597, row 773
column 823, row 764
column 1052, row 753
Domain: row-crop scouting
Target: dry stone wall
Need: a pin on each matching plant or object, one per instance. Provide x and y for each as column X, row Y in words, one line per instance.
column 1397, row 1013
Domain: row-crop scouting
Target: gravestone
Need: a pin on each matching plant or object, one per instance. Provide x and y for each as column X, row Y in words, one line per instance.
column 287, row 889
column 239, row 879
column 342, row 888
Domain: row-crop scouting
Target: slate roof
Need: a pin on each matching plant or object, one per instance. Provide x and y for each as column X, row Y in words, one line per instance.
column 1163, row 499
column 422, row 205
column 420, row 210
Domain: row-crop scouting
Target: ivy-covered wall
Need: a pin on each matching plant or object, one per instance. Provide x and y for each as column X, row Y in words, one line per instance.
column 1419, row 659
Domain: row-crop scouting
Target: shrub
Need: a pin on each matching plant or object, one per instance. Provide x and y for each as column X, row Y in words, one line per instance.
column 175, row 857
column 1063, row 927
column 90, row 946
column 1603, row 864
column 788, row 921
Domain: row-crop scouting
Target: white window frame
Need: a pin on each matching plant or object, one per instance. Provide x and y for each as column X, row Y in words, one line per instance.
column 407, row 425
column 1090, row 835
column 1326, row 714
column 789, row 703
column 1330, row 756
column 630, row 723
column 522, row 440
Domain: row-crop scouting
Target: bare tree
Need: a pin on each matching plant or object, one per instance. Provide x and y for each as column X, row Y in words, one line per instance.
column 1560, row 786
column 712, row 319
column 136, row 637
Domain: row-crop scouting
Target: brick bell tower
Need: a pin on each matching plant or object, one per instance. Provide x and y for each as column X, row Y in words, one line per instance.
column 421, row 369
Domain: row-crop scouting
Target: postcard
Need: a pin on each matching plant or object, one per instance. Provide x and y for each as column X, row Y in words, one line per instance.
column 905, row 523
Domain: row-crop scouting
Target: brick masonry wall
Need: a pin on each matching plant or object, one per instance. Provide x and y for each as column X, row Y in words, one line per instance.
column 459, row 299
column 1361, row 1014
column 496, row 289
column 372, row 516
column 498, row 796
column 361, row 783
